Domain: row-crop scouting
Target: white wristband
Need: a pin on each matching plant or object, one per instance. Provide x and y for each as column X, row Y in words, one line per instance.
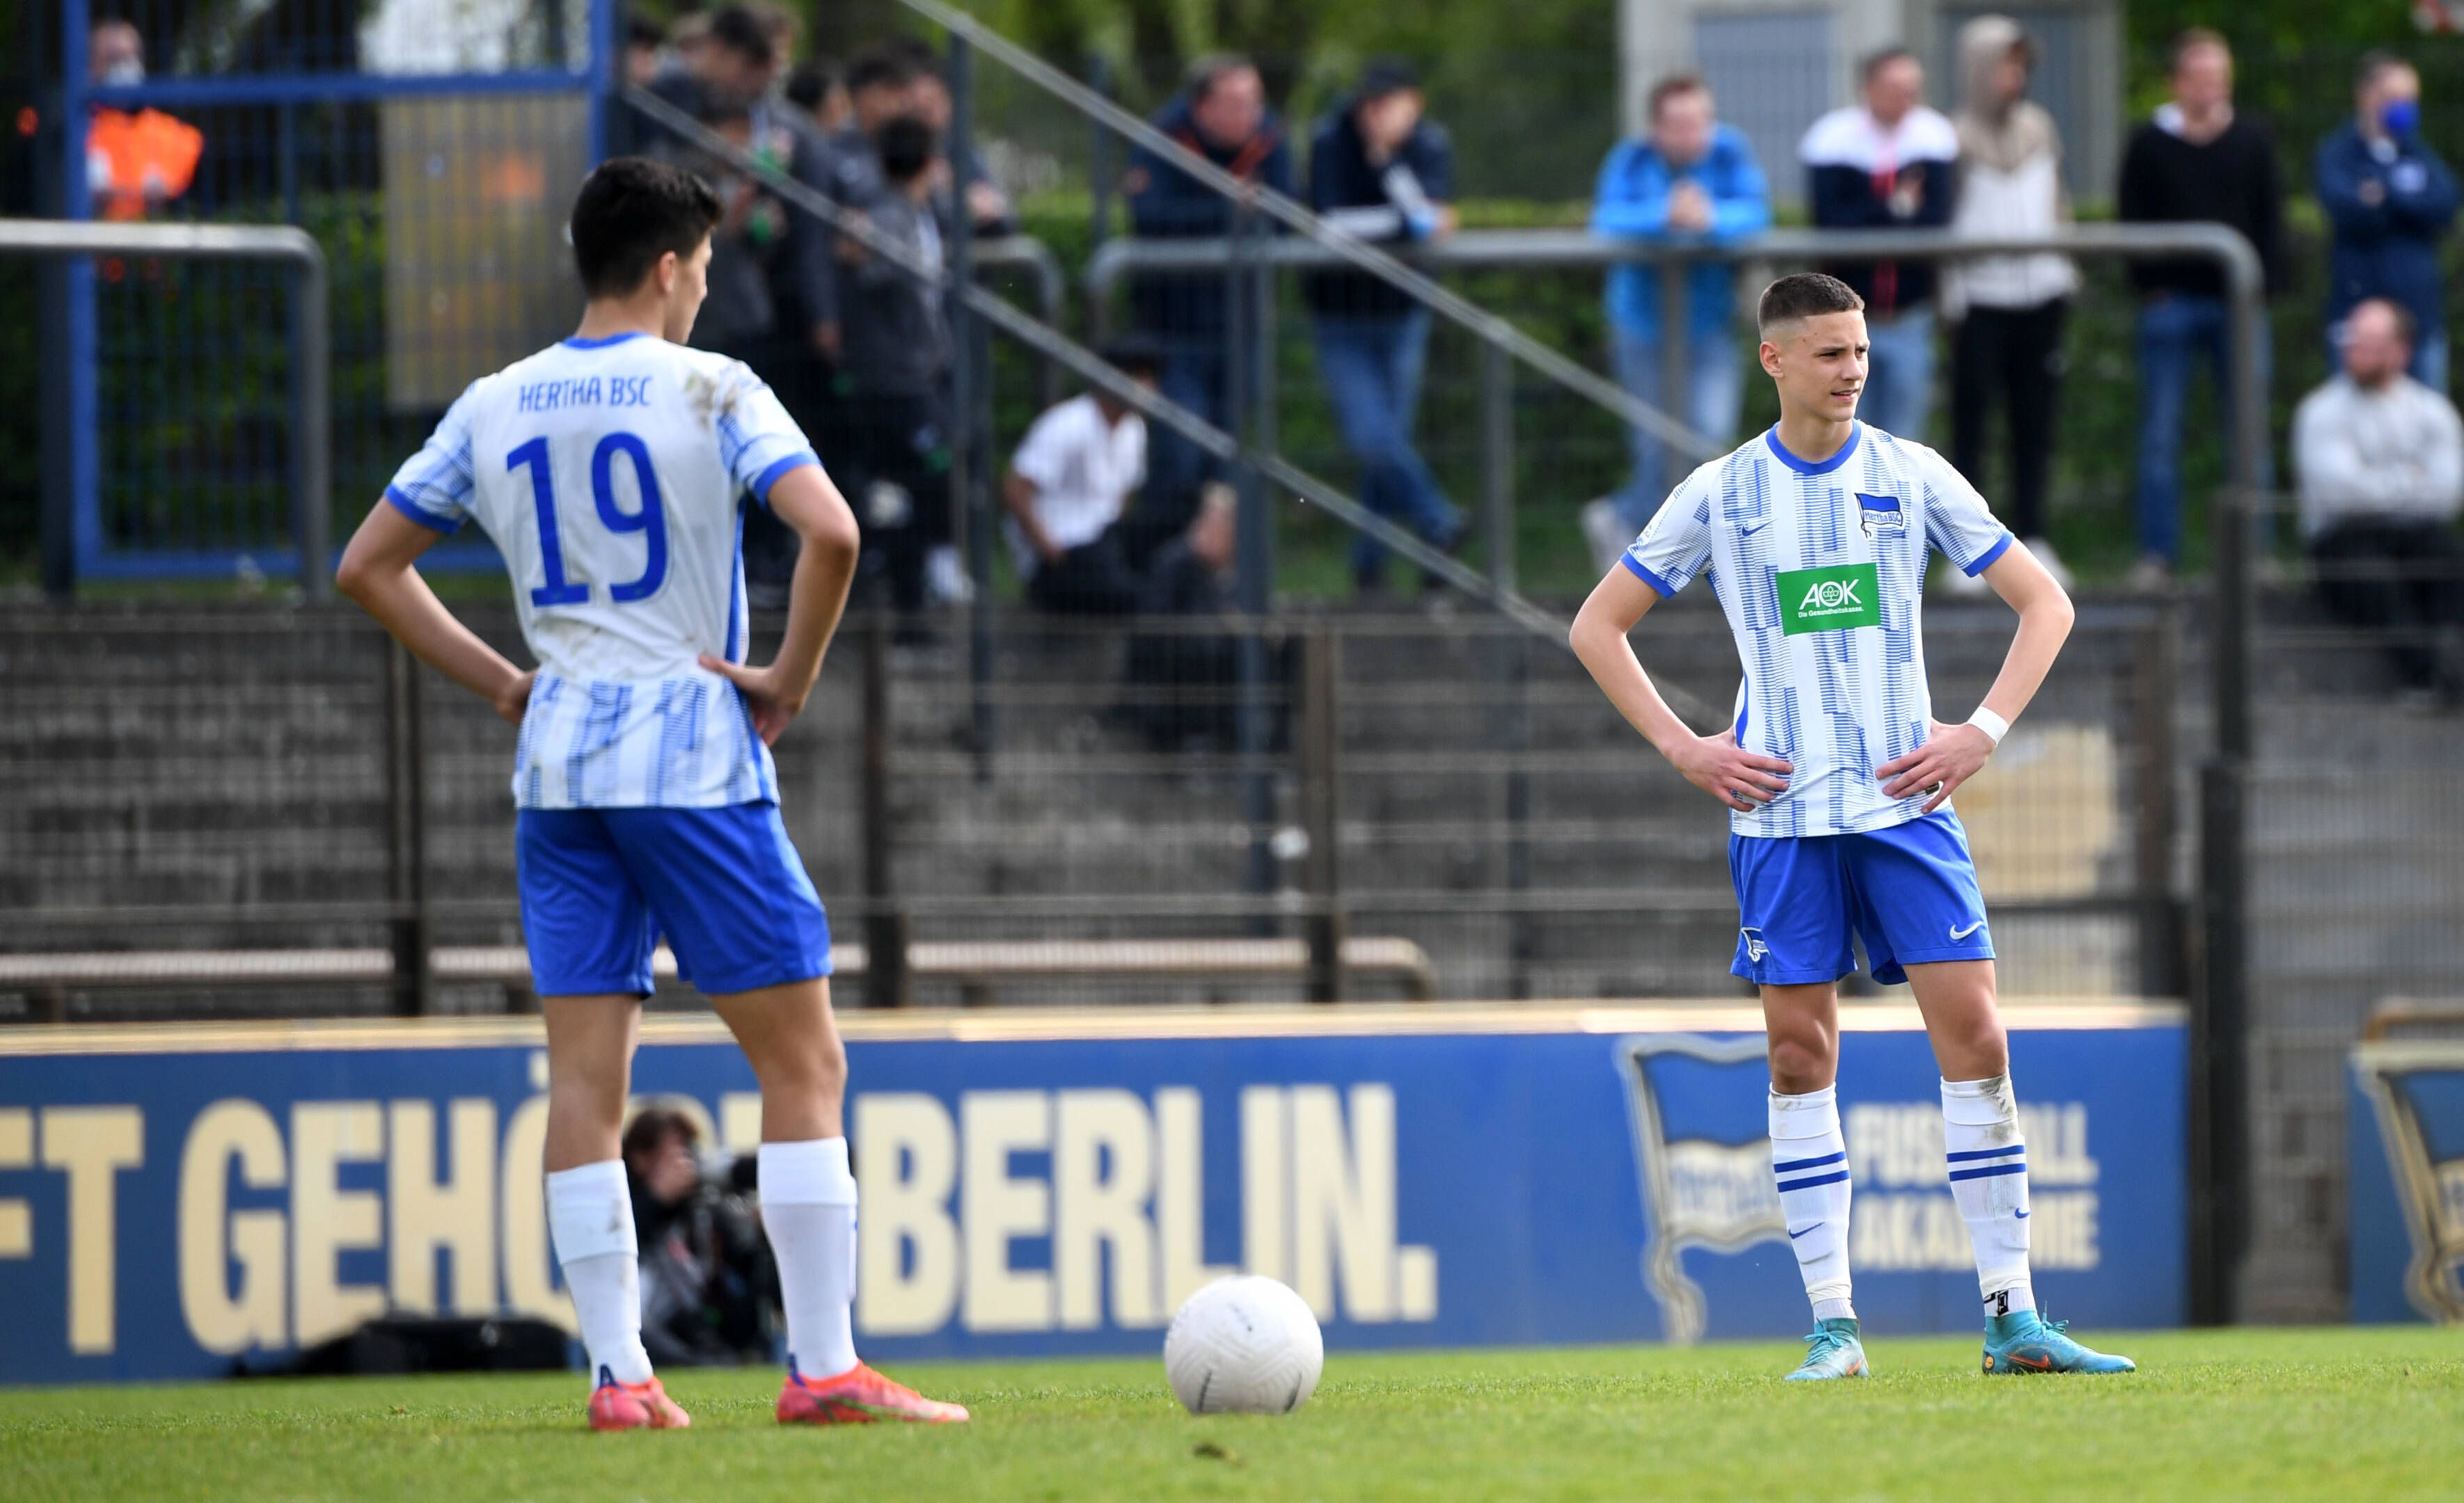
column 1994, row 726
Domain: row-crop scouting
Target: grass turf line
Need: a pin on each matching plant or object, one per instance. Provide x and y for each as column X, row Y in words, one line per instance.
column 2348, row 1414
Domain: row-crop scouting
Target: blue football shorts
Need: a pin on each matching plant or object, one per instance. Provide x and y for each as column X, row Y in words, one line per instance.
column 600, row 887
column 1910, row 891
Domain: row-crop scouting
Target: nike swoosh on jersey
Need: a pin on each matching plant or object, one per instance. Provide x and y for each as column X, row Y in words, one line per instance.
column 1961, row 934
column 2020, row 1214
column 1794, row 1235
column 1748, row 531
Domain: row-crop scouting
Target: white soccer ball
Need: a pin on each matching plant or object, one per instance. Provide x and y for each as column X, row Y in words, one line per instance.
column 1246, row 1345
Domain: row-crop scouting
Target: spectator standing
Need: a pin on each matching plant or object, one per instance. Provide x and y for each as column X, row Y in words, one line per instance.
column 2008, row 347
column 987, row 208
column 2196, row 161
column 638, row 67
column 1066, row 489
column 1888, row 164
column 1381, row 171
column 135, row 159
column 1691, row 180
column 2379, row 459
column 738, row 317
column 2389, row 199
column 733, row 65
column 817, row 88
column 1222, row 117
column 896, row 367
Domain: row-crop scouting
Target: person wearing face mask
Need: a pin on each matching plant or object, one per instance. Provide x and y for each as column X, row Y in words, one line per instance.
column 2391, row 199
column 135, row 159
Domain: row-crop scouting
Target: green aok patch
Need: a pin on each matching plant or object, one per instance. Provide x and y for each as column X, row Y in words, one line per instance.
column 1829, row 600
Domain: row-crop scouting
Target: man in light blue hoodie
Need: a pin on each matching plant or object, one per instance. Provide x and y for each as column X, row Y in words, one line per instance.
column 1691, row 180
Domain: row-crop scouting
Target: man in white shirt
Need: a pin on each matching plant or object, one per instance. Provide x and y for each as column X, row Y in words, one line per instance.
column 2380, row 464
column 1067, row 485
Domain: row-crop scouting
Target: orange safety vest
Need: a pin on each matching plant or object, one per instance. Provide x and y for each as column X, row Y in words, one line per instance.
column 132, row 159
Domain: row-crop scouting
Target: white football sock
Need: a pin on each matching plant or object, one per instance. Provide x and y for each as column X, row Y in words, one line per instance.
column 590, row 1220
column 1810, row 1163
column 1988, row 1163
column 808, row 1209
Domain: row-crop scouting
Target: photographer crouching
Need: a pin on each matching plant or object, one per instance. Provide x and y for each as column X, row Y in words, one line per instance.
column 708, row 1284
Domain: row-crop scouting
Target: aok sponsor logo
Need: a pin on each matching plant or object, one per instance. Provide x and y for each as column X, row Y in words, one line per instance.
column 1829, row 600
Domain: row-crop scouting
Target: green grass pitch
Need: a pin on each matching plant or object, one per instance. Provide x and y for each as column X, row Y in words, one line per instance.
column 2343, row 1414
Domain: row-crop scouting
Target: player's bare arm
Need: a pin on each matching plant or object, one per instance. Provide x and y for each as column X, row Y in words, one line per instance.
column 1715, row 763
column 1952, row 755
column 811, row 506
column 379, row 571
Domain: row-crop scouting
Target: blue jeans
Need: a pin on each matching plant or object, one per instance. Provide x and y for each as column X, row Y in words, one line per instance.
column 1714, row 393
column 1899, row 380
column 1371, row 367
column 2175, row 330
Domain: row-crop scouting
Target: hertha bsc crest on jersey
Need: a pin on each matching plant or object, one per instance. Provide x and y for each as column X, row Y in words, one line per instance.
column 1879, row 514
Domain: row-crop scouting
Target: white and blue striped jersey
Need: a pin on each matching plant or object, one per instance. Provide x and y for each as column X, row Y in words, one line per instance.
column 1820, row 569
column 608, row 472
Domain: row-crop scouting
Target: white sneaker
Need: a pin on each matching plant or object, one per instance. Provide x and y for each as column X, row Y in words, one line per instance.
column 1604, row 533
column 2044, row 549
column 945, row 577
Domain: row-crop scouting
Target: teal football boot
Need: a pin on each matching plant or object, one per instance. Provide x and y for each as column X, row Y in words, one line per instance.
column 2023, row 1342
column 1835, row 1350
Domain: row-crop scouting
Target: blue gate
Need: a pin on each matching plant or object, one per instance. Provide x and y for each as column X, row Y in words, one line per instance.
column 430, row 148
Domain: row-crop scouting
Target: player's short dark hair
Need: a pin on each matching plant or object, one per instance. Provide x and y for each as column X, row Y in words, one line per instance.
column 2190, row 39
column 1133, row 355
column 1672, row 85
column 811, row 84
column 642, row 32
column 1805, row 294
column 879, row 68
column 905, row 145
column 741, row 30
column 630, row 211
column 1881, row 57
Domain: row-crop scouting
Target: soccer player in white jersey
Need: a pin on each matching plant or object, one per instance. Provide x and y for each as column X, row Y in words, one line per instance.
column 1815, row 536
column 608, row 469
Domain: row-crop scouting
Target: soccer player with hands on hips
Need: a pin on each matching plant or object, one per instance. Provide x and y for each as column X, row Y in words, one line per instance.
column 610, row 469
column 1815, row 537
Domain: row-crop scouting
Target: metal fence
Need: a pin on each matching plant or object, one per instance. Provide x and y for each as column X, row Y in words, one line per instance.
column 1456, row 802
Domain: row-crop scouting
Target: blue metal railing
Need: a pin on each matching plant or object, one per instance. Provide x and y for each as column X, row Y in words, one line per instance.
column 175, row 376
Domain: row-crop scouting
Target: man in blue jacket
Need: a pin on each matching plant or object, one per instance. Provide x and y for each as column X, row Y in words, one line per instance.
column 1222, row 117
column 1691, row 180
column 1380, row 170
column 2389, row 199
